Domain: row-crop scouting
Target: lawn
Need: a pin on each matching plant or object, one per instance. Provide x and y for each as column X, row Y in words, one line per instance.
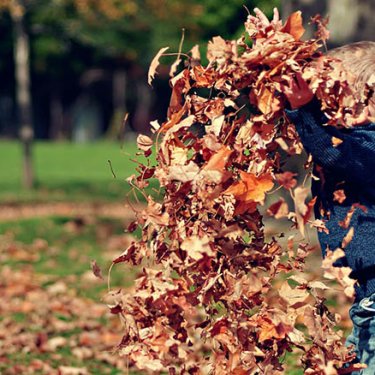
column 53, row 316
column 68, row 172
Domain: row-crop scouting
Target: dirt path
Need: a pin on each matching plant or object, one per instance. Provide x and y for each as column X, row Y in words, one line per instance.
column 16, row 212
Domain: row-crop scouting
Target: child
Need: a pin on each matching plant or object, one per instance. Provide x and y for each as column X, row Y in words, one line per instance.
column 350, row 169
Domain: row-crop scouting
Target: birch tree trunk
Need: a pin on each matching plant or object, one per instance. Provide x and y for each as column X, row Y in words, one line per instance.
column 23, row 94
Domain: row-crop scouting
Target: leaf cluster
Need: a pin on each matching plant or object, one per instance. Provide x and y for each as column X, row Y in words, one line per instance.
column 205, row 300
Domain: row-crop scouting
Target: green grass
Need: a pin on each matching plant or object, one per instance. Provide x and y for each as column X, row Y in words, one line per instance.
column 68, row 172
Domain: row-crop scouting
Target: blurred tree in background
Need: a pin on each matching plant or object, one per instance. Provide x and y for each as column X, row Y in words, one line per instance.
column 88, row 58
column 79, row 44
column 73, row 68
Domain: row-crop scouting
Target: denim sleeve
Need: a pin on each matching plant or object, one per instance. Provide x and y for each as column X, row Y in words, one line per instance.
column 354, row 158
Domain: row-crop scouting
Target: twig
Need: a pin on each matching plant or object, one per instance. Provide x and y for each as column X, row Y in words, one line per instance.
column 181, row 43
column 110, row 166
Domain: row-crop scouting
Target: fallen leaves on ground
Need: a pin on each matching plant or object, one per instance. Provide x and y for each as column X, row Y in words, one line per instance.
column 47, row 324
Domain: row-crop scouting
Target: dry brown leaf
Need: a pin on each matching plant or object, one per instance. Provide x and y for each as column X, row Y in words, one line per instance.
column 218, row 161
column 292, row 296
column 279, row 209
column 96, row 269
column 154, row 65
column 294, row 25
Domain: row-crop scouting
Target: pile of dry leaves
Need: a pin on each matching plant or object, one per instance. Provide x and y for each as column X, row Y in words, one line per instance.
column 204, row 301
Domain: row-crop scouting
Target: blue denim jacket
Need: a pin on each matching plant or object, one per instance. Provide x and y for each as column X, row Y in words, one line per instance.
column 349, row 166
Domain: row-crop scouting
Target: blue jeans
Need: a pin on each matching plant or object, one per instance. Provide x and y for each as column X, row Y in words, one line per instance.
column 363, row 335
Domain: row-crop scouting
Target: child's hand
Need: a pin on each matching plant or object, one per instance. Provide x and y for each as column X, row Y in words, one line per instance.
column 297, row 91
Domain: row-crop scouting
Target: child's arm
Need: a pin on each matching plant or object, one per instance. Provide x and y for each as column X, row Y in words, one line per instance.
column 354, row 158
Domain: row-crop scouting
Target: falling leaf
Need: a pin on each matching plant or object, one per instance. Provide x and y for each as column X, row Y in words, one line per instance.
column 287, row 179
column 341, row 274
column 301, row 209
column 96, row 270
column 348, row 238
column 268, row 102
column 339, row 196
column 154, row 65
column 184, row 173
column 197, row 247
column 174, row 67
column 294, row 25
column 195, row 54
column 279, row 209
column 216, row 125
column 251, row 188
column 336, row 141
column 346, row 221
column 269, row 329
column 218, row 161
column 144, row 142
column 292, row 296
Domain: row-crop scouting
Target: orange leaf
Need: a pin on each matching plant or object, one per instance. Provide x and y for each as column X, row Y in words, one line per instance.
column 218, row 161
column 336, row 141
column 251, row 188
column 237, row 189
column 269, row 329
column 293, row 25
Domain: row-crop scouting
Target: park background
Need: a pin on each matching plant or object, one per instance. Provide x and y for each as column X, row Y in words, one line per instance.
column 71, row 71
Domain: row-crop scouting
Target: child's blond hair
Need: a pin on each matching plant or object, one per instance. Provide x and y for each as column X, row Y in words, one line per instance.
column 359, row 59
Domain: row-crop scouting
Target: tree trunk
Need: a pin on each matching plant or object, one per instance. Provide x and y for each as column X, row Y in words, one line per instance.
column 141, row 121
column 23, row 95
column 119, row 83
column 57, row 130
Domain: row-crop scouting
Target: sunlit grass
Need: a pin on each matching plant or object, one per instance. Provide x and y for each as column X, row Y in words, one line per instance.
column 68, row 171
